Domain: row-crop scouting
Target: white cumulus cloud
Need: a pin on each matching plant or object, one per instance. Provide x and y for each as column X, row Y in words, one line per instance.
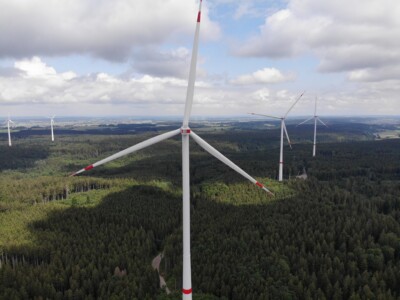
column 345, row 35
column 263, row 76
column 106, row 29
column 40, row 88
column 37, row 83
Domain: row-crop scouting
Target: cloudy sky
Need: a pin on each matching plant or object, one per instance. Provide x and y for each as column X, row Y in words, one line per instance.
column 131, row 57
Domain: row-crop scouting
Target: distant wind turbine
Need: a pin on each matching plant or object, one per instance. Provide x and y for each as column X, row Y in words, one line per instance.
column 51, row 126
column 8, row 128
column 185, row 132
column 283, row 128
column 316, row 118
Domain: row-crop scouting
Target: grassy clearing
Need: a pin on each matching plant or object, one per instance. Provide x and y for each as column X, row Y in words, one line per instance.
column 245, row 193
column 388, row 134
column 15, row 223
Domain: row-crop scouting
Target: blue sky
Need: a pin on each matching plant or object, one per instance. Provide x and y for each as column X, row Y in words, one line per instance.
column 124, row 57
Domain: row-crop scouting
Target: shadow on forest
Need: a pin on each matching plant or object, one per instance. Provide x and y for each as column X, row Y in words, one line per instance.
column 89, row 249
column 98, row 250
column 140, row 207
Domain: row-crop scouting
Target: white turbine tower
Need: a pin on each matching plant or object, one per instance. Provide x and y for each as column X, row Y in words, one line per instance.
column 8, row 128
column 51, row 126
column 185, row 132
column 316, row 118
column 283, row 129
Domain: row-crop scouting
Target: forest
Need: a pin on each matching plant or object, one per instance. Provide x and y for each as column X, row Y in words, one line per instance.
column 335, row 235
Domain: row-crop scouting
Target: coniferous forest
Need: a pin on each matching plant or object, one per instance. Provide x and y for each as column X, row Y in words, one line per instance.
column 335, row 235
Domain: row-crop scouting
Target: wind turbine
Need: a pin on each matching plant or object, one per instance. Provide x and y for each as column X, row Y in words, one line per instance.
column 316, row 118
column 51, row 126
column 185, row 132
column 283, row 129
column 8, row 128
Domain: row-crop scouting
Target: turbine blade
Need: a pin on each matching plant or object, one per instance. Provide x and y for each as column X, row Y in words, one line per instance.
column 192, row 72
column 305, row 121
column 322, row 122
column 214, row 152
column 129, row 150
column 298, row 98
column 287, row 136
column 265, row 116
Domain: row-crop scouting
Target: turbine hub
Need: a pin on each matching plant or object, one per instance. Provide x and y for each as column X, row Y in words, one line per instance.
column 185, row 131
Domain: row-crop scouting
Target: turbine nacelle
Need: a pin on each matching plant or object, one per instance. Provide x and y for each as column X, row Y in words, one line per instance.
column 9, row 121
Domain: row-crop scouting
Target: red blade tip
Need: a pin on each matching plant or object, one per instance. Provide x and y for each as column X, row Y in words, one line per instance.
column 89, row 168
